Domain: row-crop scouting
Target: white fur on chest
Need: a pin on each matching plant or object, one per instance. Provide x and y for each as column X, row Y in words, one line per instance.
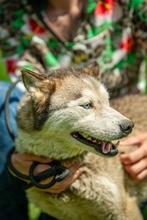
column 88, row 197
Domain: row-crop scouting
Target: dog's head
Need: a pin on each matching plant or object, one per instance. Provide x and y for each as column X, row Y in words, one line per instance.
column 69, row 110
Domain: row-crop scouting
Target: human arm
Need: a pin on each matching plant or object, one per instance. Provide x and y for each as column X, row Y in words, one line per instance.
column 23, row 161
column 13, row 201
column 135, row 163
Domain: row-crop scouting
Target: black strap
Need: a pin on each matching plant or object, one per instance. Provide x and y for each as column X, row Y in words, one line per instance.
column 57, row 171
column 12, row 168
column 6, row 108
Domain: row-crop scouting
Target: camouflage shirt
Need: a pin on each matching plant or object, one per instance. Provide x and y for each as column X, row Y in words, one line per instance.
column 112, row 32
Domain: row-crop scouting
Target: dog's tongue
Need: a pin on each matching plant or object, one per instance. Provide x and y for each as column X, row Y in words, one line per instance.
column 106, row 147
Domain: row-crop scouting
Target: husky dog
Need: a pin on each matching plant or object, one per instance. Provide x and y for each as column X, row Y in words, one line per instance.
column 65, row 115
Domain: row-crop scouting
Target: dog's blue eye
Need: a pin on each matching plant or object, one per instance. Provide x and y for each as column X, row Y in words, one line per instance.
column 87, row 105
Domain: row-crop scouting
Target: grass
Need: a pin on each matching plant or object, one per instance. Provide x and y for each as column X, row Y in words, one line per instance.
column 145, row 214
column 34, row 211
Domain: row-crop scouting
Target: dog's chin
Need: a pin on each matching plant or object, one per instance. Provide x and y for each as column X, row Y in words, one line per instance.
column 104, row 148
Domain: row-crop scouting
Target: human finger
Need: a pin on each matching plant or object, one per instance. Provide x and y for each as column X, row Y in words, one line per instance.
column 136, row 139
column 23, row 161
column 32, row 157
column 130, row 141
column 72, row 170
column 133, row 157
column 64, row 184
column 135, row 169
column 142, row 175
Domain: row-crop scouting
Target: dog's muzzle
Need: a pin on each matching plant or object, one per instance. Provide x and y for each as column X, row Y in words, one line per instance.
column 105, row 148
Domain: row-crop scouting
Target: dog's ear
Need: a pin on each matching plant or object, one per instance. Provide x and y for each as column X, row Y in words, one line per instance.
column 93, row 70
column 31, row 79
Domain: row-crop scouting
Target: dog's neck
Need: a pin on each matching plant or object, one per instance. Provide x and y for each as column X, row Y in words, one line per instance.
column 26, row 142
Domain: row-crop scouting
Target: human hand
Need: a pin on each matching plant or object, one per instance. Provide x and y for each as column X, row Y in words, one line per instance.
column 135, row 163
column 23, row 161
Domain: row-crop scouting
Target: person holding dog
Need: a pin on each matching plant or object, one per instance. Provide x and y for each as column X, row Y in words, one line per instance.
column 135, row 163
column 53, row 34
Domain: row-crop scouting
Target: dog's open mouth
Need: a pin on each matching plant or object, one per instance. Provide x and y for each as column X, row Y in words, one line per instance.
column 105, row 148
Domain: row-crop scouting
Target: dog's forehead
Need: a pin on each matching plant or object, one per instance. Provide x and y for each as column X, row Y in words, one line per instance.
column 75, row 87
column 95, row 90
column 74, row 84
column 67, row 89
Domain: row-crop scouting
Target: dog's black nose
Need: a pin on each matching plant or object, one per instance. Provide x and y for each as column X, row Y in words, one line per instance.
column 126, row 126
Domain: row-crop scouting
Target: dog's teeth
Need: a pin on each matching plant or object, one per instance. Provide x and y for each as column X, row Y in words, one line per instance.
column 85, row 136
column 89, row 138
column 94, row 140
column 99, row 143
column 116, row 145
column 109, row 145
